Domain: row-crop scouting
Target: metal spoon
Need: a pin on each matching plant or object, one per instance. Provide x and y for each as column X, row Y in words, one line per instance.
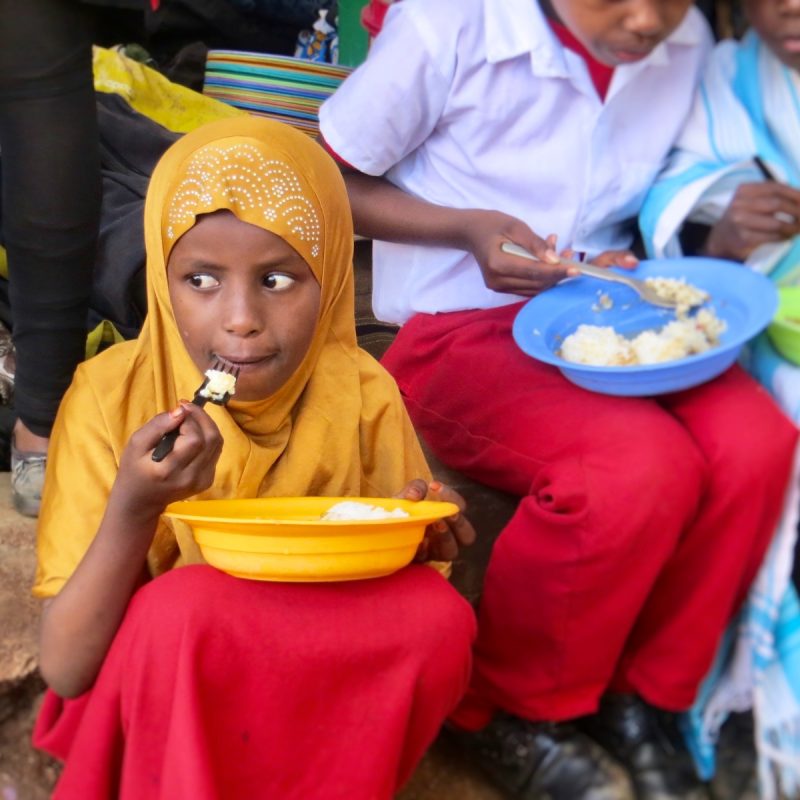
column 648, row 294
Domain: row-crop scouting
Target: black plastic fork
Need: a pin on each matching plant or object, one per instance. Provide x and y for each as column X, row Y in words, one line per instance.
column 167, row 441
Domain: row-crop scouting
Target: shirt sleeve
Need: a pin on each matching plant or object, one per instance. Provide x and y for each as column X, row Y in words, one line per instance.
column 81, row 467
column 388, row 106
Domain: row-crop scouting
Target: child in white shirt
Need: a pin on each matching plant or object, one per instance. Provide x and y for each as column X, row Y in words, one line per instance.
column 642, row 520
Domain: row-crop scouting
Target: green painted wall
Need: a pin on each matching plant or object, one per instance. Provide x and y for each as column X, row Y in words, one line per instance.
column 353, row 39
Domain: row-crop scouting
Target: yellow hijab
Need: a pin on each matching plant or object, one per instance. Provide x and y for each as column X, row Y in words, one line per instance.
column 337, row 427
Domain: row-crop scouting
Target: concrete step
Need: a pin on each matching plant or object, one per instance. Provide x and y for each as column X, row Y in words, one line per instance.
column 19, row 611
column 24, row 773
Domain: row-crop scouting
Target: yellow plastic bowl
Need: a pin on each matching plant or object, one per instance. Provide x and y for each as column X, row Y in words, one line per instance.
column 784, row 332
column 285, row 539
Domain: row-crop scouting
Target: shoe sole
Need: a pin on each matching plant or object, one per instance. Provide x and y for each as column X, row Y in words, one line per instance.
column 25, row 505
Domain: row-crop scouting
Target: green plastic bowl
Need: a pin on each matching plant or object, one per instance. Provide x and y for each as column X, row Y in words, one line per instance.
column 784, row 332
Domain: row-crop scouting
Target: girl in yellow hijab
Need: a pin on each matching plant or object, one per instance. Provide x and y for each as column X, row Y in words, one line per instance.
column 188, row 682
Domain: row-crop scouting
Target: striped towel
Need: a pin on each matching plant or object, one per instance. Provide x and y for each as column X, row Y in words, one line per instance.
column 758, row 667
column 748, row 104
column 283, row 88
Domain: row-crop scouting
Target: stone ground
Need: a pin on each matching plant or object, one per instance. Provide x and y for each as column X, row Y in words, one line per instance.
column 25, row 774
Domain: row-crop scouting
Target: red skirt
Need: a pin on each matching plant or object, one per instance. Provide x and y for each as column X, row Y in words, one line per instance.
column 216, row 687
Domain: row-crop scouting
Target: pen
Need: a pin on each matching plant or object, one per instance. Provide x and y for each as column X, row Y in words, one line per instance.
column 781, row 216
column 765, row 170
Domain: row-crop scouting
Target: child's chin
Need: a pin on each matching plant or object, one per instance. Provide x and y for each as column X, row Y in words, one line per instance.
column 252, row 394
column 605, row 56
column 621, row 57
column 789, row 53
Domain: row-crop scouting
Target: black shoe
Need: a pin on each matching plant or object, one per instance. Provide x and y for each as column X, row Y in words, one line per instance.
column 647, row 741
column 544, row 761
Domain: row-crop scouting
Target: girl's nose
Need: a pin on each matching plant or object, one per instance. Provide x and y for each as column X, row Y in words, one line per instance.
column 242, row 316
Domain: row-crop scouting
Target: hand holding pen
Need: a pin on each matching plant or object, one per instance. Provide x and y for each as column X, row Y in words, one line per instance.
column 771, row 177
column 762, row 212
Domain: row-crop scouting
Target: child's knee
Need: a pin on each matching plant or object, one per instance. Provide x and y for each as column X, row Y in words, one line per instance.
column 653, row 471
column 763, row 454
column 449, row 620
column 179, row 595
column 758, row 447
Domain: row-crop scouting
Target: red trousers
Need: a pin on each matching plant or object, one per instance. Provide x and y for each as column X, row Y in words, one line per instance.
column 218, row 688
column 641, row 525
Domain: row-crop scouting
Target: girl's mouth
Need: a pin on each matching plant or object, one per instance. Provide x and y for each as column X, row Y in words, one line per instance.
column 245, row 363
column 630, row 56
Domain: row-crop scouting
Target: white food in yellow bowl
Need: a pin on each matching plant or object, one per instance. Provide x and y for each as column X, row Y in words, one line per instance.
column 289, row 538
column 353, row 510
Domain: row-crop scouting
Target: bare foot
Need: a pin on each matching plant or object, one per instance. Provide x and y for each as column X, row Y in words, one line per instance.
column 28, row 442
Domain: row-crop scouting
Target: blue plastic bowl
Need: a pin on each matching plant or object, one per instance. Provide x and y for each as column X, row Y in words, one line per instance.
column 746, row 300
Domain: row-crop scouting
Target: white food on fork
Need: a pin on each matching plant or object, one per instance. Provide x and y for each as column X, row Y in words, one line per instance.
column 217, row 387
column 642, row 288
column 677, row 290
column 219, row 384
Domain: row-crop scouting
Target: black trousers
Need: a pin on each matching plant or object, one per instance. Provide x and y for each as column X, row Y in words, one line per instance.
column 51, row 189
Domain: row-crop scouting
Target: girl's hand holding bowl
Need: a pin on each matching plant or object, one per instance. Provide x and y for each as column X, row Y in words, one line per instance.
column 443, row 537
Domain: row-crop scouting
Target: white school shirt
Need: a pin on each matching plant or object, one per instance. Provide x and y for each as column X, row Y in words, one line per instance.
column 476, row 104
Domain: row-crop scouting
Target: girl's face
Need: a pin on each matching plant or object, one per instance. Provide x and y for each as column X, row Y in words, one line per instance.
column 619, row 32
column 777, row 22
column 242, row 293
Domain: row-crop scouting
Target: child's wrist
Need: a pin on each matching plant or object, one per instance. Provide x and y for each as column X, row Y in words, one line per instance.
column 126, row 507
column 465, row 222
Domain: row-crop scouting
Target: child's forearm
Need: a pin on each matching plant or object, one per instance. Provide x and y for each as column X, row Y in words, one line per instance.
column 79, row 624
column 382, row 211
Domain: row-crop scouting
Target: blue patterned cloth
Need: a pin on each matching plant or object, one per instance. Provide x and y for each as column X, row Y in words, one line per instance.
column 748, row 104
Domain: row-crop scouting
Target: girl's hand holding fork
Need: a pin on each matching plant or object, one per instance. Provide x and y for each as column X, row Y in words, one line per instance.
column 146, row 487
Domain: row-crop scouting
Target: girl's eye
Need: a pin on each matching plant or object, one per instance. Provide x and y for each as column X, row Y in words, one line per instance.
column 202, row 281
column 278, row 281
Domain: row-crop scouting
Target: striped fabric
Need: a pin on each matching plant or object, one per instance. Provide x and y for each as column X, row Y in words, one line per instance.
column 283, row 88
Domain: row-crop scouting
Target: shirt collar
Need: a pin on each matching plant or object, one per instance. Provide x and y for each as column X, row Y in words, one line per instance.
column 515, row 27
